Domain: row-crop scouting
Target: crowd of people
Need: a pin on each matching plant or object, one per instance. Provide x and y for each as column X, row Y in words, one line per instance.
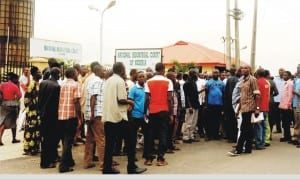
column 112, row 114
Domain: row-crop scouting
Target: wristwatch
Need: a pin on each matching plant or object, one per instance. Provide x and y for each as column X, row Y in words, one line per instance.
column 257, row 107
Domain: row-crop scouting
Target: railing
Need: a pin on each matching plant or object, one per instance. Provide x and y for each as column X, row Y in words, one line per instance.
column 12, row 66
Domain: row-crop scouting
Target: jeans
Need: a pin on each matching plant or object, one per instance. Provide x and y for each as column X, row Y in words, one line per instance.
column 260, row 132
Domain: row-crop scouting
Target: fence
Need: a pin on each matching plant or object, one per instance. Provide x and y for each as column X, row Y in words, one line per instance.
column 12, row 66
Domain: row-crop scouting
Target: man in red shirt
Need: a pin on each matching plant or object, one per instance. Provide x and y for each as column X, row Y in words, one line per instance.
column 158, row 91
column 9, row 108
column 260, row 127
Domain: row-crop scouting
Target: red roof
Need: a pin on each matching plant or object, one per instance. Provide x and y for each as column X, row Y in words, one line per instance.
column 187, row 52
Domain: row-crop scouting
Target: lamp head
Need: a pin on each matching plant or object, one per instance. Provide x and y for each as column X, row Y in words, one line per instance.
column 111, row 4
column 92, row 7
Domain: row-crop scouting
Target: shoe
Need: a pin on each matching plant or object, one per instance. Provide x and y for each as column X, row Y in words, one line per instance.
column 119, row 154
column 64, row 170
column 26, row 153
column 95, row 158
column 189, row 141
column 284, row 139
column 294, row 142
column 175, row 148
column 208, row 139
column 247, row 152
column 234, row 153
column 71, row 164
column 195, row 140
column 137, row 170
column 111, row 171
column 202, row 135
column 148, row 162
column 161, row 163
column 15, row 141
column 58, row 158
column 170, row 151
column 260, row 148
column 231, row 141
column 80, row 140
column 51, row 165
column 1, row 143
column 89, row 166
column 267, row 145
column 298, row 146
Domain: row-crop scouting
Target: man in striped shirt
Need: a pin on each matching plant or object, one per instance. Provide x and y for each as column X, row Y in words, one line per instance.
column 249, row 103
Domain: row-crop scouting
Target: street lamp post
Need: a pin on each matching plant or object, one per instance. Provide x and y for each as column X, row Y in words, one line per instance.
column 111, row 4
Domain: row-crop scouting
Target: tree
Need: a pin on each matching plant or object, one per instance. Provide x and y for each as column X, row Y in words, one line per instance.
column 183, row 68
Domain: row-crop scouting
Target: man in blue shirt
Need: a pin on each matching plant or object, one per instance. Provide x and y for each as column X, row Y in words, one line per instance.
column 137, row 94
column 214, row 92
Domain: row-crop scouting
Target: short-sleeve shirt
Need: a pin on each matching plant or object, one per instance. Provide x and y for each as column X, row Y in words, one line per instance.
column 70, row 90
column 191, row 94
column 137, row 94
column 10, row 91
column 264, row 89
column 215, row 91
column 95, row 87
column 114, row 90
column 158, row 88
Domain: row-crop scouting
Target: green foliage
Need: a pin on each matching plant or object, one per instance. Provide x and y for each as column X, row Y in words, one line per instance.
column 183, row 68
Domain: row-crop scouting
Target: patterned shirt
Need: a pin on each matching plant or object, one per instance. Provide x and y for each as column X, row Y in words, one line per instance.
column 70, row 91
column 95, row 87
column 249, row 89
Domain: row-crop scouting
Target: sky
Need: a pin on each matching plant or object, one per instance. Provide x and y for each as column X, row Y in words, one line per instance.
column 160, row 23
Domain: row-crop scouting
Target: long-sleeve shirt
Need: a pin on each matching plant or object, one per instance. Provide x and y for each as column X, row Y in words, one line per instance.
column 287, row 95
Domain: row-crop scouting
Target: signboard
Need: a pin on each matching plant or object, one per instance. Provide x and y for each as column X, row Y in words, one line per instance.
column 55, row 49
column 139, row 59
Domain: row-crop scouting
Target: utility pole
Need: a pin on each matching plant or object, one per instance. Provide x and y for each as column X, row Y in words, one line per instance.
column 253, row 46
column 228, row 38
column 237, row 16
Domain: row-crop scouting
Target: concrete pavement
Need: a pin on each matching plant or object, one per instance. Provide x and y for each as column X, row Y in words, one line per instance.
column 204, row 157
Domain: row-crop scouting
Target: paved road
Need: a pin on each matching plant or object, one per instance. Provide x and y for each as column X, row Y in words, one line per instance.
column 204, row 157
